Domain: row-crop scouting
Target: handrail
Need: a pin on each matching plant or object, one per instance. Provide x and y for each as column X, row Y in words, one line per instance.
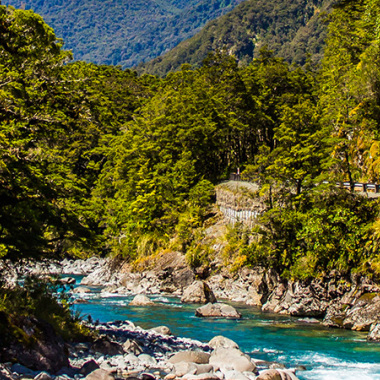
column 235, row 177
column 364, row 186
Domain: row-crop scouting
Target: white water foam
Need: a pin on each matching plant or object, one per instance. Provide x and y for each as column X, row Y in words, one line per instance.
column 112, row 295
column 162, row 299
column 325, row 367
column 272, row 351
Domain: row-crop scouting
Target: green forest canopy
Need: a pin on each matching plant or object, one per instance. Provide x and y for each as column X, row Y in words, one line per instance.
column 96, row 159
column 124, row 32
column 294, row 30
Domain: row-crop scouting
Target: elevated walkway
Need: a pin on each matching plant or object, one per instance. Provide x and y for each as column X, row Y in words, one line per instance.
column 239, row 200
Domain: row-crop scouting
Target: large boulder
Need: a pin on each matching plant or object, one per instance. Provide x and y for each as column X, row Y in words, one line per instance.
column 174, row 272
column 235, row 375
column 198, row 292
column 190, row 356
column 374, row 333
column 231, row 359
column 104, row 346
column 277, row 374
column 358, row 313
column 99, row 374
column 269, row 374
column 41, row 376
column 217, row 310
column 163, row 330
column 101, row 276
column 131, row 346
column 81, row 290
column 201, row 376
column 364, row 313
column 141, row 300
column 183, row 368
column 222, row 342
column 67, row 280
column 88, row 367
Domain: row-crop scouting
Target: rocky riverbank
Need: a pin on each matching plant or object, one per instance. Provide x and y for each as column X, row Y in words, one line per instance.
column 123, row 350
column 351, row 303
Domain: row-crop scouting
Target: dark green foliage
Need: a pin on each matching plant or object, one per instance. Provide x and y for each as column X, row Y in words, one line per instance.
column 39, row 299
column 97, row 159
column 294, row 30
column 125, row 32
column 53, row 118
column 328, row 229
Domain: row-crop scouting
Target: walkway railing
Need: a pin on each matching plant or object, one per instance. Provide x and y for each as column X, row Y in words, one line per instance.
column 235, row 177
column 358, row 186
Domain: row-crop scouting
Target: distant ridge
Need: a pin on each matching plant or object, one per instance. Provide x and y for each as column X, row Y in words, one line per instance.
column 294, row 29
column 124, row 32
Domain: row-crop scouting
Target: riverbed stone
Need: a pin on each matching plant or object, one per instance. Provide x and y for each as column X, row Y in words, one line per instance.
column 106, row 347
column 364, row 313
column 202, row 376
column 182, row 368
column 217, row 310
column 42, row 376
column 163, row 330
column 269, row 374
column 23, row 370
column 147, row 359
column 99, row 374
column 235, row 375
column 141, row 300
column 198, row 292
column 88, row 367
column 198, row 357
column 288, row 374
column 231, row 359
column 81, row 290
column 204, row 368
column 277, row 374
column 374, row 332
column 67, row 280
column 221, row 341
column 173, row 272
column 5, row 373
column 131, row 346
column 101, row 276
column 118, row 361
column 132, row 359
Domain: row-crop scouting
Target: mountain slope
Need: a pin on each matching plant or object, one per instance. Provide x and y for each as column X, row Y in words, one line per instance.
column 125, row 32
column 293, row 29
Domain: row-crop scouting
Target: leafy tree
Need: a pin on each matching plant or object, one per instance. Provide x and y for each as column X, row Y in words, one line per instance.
column 349, row 96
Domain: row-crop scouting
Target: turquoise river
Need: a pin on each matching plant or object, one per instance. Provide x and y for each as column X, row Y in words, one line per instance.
column 327, row 354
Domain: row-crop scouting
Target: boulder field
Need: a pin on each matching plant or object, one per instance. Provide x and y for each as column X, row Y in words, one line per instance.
column 123, row 350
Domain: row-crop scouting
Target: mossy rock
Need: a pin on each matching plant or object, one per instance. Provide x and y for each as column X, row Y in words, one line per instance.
column 338, row 321
column 368, row 297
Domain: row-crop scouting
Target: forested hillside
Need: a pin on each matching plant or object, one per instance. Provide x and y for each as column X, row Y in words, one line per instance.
column 294, row 30
column 95, row 159
column 125, row 32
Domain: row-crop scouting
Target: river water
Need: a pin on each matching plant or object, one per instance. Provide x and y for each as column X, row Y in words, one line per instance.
column 327, row 354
